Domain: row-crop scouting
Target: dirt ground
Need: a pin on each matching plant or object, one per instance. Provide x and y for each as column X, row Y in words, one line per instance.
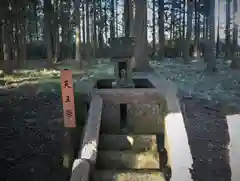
column 30, row 136
column 208, row 136
column 206, row 100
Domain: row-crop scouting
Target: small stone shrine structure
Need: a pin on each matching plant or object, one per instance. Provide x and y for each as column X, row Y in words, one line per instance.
column 122, row 55
column 135, row 129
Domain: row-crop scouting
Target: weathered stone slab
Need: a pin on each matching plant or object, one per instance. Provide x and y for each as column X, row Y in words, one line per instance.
column 122, row 47
column 84, row 86
column 176, row 139
column 142, row 118
column 92, row 129
column 145, row 119
column 80, row 170
column 234, row 145
column 130, row 95
column 110, row 117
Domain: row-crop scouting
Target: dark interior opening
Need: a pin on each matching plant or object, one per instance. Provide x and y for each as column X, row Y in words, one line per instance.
column 121, row 66
column 142, row 83
column 104, row 84
column 138, row 83
column 87, row 107
column 123, row 116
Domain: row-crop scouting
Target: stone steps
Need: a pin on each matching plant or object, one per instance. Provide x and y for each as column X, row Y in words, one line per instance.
column 128, row 175
column 126, row 157
column 136, row 143
column 127, row 160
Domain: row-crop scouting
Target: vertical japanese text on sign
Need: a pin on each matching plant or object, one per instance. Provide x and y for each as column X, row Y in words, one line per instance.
column 68, row 99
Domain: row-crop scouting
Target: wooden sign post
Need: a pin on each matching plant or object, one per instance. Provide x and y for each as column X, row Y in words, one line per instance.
column 68, row 99
column 69, row 117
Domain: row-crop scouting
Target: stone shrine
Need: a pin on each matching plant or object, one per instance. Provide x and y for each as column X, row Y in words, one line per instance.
column 122, row 50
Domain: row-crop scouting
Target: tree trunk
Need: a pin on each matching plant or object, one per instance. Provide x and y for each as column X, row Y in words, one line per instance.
column 128, row 18
column 55, row 30
column 172, row 25
column 183, row 29
column 47, row 30
column 56, row 42
column 22, row 44
column 88, row 31
column 218, row 35
column 197, row 30
column 101, row 25
column 235, row 61
column 6, row 46
column 1, row 48
column 112, row 23
column 15, row 36
column 64, row 26
column 84, row 29
column 227, row 31
column 78, row 34
column 211, row 46
column 188, row 40
column 140, row 28
column 206, row 37
column 105, row 23
column 161, row 29
column 117, row 3
column 154, row 26
column 95, row 28
column 36, row 22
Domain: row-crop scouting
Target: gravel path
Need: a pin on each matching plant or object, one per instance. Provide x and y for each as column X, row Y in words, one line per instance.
column 208, row 138
column 30, row 137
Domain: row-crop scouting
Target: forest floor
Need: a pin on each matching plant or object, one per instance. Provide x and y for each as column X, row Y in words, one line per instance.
column 30, row 128
column 222, row 86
